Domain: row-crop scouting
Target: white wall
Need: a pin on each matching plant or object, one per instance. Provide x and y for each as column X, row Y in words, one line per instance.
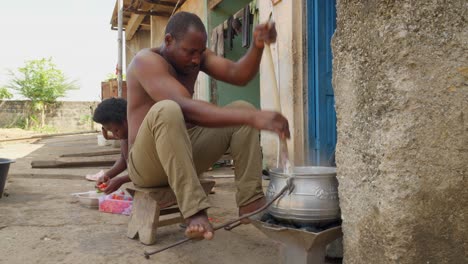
column 287, row 53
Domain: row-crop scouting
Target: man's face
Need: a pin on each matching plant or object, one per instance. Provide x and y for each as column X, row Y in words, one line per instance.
column 186, row 52
column 119, row 131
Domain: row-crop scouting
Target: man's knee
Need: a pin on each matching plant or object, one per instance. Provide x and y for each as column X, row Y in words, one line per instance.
column 241, row 104
column 167, row 111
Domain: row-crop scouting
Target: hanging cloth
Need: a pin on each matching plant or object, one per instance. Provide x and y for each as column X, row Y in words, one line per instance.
column 214, row 40
column 230, row 33
column 254, row 12
column 220, row 44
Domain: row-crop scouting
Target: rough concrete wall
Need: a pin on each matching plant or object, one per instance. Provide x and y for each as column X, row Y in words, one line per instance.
column 401, row 87
column 289, row 62
column 65, row 117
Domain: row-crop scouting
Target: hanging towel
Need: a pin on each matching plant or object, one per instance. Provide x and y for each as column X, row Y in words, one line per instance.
column 214, row 40
column 220, row 44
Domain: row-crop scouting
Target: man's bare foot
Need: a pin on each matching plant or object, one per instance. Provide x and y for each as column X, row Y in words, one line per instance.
column 250, row 208
column 199, row 227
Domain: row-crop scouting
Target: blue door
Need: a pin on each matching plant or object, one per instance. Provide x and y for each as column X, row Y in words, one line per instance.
column 321, row 24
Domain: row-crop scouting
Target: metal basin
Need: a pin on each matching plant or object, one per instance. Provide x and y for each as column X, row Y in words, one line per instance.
column 4, row 167
column 314, row 199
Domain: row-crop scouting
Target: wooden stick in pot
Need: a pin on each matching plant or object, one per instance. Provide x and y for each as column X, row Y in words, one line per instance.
column 284, row 154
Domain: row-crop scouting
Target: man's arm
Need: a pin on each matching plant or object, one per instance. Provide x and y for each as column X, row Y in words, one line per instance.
column 114, row 183
column 152, row 73
column 105, row 134
column 119, row 165
column 245, row 69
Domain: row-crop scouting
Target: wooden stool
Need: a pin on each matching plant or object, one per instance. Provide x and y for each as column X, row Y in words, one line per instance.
column 147, row 204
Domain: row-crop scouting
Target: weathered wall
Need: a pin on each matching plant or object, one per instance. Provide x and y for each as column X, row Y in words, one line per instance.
column 158, row 25
column 141, row 40
column 65, row 117
column 401, row 86
column 200, row 9
column 288, row 16
column 197, row 7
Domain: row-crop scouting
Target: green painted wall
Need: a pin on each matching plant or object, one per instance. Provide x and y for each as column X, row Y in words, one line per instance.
column 226, row 92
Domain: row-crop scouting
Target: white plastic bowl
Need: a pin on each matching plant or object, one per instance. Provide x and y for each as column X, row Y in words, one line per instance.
column 89, row 199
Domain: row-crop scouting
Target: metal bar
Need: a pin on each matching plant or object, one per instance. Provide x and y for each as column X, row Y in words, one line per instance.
column 120, row 49
column 228, row 224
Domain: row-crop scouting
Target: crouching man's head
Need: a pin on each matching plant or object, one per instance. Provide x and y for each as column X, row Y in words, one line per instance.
column 112, row 115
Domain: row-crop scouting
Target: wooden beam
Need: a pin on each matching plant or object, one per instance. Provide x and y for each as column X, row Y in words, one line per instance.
column 93, row 154
column 145, row 27
column 163, row 3
column 70, row 164
column 135, row 20
column 213, row 3
column 151, row 13
column 133, row 25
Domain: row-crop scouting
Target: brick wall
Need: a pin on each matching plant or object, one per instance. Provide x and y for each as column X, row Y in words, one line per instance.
column 65, row 117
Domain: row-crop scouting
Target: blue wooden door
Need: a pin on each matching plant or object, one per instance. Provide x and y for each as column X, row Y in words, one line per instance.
column 321, row 24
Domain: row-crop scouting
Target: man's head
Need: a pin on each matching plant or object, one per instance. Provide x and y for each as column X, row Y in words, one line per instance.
column 112, row 115
column 185, row 41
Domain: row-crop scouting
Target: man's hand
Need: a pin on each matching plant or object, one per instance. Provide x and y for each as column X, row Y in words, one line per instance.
column 105, row 134
column 113, row 185
column 272, row 121
column 264, row 34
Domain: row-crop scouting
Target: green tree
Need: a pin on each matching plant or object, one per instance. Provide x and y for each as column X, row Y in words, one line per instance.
column 41, row 82
column 5, row 94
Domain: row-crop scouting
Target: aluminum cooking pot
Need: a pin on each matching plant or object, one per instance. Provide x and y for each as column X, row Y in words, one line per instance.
column 314, row 199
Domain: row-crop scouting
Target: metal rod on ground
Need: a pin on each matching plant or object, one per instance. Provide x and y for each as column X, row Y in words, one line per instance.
column 120, row 44
column 226, row 225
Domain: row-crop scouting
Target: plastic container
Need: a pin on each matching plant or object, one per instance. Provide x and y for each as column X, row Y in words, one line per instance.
column 89, row 199
column 117, row 202
column 4, row 167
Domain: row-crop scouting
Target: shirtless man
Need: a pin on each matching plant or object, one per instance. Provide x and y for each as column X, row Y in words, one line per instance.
column 174, row 138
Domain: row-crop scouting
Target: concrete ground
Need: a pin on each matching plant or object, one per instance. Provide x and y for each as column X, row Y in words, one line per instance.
column 41, row 223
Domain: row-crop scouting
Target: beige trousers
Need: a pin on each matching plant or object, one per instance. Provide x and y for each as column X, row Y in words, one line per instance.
column 166, row 153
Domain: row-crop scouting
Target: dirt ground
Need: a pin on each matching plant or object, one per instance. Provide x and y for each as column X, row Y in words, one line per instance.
column 41, row 223
column 7, row 133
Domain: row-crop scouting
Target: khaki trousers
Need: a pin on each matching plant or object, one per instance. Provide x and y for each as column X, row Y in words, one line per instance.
column 166, row 153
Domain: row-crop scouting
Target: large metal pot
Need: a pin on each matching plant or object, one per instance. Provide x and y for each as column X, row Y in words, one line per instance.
column 4, row 167
column 314, row 199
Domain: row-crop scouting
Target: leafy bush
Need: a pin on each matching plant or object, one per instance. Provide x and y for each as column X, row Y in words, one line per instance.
column 5, row 94
column 42, row 83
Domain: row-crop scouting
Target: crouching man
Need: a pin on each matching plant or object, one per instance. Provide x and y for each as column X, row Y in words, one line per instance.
column 173, row 138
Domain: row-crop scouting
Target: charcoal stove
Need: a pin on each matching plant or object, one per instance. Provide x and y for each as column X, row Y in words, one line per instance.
column 303, row 245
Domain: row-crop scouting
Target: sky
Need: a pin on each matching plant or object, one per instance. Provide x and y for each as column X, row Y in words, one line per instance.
column 75, row 33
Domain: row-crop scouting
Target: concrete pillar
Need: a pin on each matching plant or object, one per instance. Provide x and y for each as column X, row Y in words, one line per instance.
column 400, row 76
